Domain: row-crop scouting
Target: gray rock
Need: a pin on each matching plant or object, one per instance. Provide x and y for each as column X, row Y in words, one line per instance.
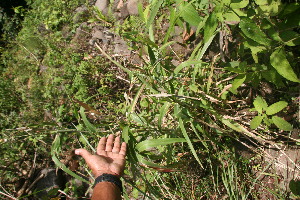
column 82, row 8
column 132, row 7
column 98, row 35
column 121, row 48
column 124, row 12
column 46, row 186
column 102, row 5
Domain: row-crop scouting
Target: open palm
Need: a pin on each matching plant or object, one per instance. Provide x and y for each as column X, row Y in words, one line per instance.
column 110, row 157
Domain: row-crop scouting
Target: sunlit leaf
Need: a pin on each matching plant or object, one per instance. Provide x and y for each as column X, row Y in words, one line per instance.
column 252, row 31
column 282, row 124
column 144, row 145
column 256, row 121
column 237, row 82
column 276, row 107
column 282, row 65
column 210, row 27
column 86, row 122
column 189, row 14
column 155, row 5
column 260, row 104
column 162, row 112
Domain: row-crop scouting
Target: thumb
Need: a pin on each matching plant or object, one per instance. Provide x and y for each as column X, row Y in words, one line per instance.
column 84, row 153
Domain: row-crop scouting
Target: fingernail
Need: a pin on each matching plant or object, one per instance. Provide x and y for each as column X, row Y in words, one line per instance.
column 77, row 151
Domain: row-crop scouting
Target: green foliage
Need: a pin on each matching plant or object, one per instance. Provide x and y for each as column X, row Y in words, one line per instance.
column 265, row 111
column 176, row 118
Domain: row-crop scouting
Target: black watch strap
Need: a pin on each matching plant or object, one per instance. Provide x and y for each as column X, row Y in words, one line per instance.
column 109, row 178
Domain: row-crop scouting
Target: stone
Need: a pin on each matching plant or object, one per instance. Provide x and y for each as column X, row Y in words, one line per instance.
column 98, row 35
column 121, row 48
column 132, row 7
column 52, row 180
column 102, row 6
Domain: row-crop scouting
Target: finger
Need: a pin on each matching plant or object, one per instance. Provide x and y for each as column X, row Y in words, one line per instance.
column 84, row 153
column 123, row 149
column 117, row 145
column 109, row 143
column 101, row 145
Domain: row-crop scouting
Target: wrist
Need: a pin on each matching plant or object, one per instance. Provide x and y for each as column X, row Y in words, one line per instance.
column 101, row 172
column 110, row 180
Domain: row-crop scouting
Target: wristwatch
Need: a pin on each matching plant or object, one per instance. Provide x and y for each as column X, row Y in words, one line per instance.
column 109, row 178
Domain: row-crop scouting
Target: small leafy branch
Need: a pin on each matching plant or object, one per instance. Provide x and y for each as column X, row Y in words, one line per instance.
column 267, row 114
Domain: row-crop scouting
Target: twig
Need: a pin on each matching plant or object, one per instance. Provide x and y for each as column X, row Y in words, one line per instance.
column 7, row 195
column 32, row 184
column 22, row 190
column 227, row 79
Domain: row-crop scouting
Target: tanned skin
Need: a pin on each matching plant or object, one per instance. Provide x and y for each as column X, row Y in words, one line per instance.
column 109, row 159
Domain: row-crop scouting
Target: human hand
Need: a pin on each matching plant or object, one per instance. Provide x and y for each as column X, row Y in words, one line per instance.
column 109, row 159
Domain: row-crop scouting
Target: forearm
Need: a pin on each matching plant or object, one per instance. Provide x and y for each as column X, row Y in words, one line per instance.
column 106, row 191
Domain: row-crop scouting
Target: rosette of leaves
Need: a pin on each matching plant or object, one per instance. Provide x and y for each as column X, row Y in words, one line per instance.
column 267, row 115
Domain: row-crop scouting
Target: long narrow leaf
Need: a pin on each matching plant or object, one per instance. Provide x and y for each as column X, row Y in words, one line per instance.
column 144, row 145
column 181, row 125
column 86, row 122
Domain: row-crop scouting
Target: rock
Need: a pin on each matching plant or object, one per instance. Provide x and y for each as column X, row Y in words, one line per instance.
column 52, row 181
column 102, row 6
column 132, row 7
column 98, row 35
column 121, row 48
column 79, row 33
column 124, row 12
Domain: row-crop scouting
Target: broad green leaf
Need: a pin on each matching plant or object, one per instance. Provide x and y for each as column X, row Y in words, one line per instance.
column 144, row 145
column 276, row 107
column 256, row 121
column 237, row 82
column 273, row 76
column 210, row 27
column 86, row 122
column 295, row 187
column 260, row 104
column 271, row 9
column 261, row 2
column 274, row 34
column 239, row 4
column 233, row 16
column 282, row 124
column 252, row 31
column 181, row 125
column 281, row 64
column 189, row 14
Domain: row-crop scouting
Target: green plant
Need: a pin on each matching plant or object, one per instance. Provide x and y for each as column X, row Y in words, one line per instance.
column 265, row 112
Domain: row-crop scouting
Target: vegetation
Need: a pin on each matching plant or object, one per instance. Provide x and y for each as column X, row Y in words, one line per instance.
column 212, row 75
